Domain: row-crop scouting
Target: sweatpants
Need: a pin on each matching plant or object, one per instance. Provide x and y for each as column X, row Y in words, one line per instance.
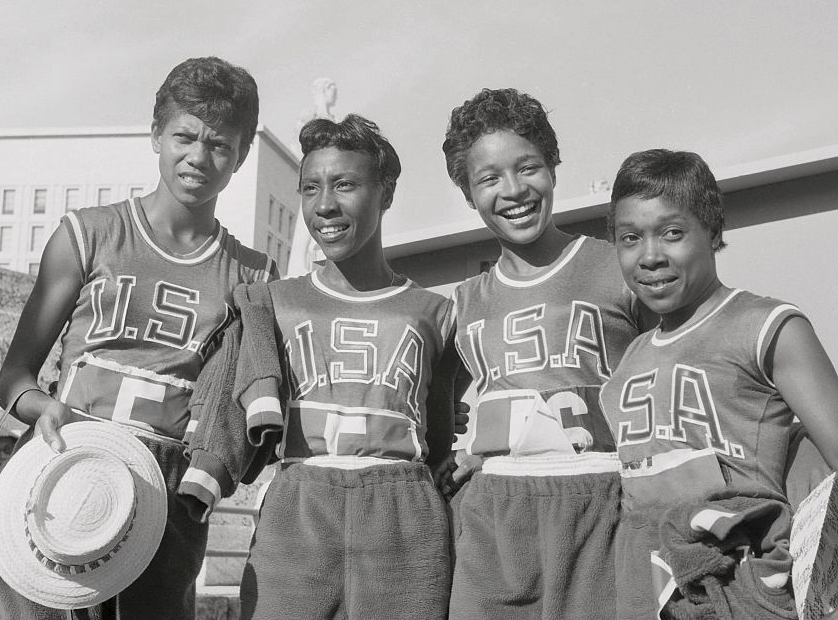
column 358, row 544
column 166, row 589
column 638, row 533
column 536, row 547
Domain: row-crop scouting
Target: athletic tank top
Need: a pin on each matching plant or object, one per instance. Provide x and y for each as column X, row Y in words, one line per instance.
column 704, row 388
column 539, row 350
column 146, row 319
column 356, row 368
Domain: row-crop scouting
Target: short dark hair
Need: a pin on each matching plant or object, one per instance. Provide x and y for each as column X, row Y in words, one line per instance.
column 353, row 133
column 681, row 177
column 494, row 110
column 215, row 91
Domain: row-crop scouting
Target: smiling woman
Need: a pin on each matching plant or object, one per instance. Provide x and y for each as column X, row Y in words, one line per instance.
column 703, row 407
column 347, row 179
column 343, row 202
column 539, row 333
column 354, row 525
column 668, row 259
column 511, row 187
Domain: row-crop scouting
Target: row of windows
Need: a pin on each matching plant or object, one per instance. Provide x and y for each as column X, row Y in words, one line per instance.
column 32, row 268
column 72, row 198
column 280, row 251
column 281, row 218
column 35, row 241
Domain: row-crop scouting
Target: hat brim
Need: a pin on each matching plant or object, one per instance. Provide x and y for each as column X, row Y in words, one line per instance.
column 19, row 565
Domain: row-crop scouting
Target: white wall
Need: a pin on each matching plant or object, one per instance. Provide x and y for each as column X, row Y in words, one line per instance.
column 795, row 260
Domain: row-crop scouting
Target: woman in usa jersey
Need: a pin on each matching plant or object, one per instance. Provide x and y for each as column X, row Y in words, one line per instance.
column 702, row 407
column 352, row 525
column 144, row 287
column 540, row 333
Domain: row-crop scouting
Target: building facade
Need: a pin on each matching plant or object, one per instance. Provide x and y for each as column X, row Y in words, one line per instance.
column 46, row 173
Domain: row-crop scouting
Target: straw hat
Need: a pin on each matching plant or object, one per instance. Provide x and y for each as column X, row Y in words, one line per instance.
column 78, row 527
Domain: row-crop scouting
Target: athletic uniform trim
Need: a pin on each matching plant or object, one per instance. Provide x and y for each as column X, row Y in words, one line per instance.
column 270, row 269
column 661, row 341
column 571, row 251
column 76, row 231
column 358, row 297
column 767, row 333
column 207, row 249
column 134, row 371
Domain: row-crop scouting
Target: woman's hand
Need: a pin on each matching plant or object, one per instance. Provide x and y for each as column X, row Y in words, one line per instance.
column 54, row 415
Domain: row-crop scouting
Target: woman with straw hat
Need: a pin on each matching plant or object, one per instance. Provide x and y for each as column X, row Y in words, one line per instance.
column 145, row 288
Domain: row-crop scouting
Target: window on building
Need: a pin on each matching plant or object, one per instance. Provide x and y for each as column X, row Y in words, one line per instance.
column 281, row 257
column 269, row 246
column 72, row 197
column 39, row 201
column 280, row 219
column 103, row 196
column 272, row 221
column 33, row 268
column 8, row 201
column 36, row 239
column 5, row 238
column 289, row 225
column 135, row 191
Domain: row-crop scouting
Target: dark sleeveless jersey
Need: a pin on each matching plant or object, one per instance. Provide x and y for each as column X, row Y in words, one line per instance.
column 541, row 348
column 704, row 388
column 356, row 368
column 146, row 318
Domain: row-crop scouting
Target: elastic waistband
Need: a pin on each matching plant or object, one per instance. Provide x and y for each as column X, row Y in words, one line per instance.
column 658, row 463
column 398, row 471
column 586, row 484
column 553, row 465
column 343, row 462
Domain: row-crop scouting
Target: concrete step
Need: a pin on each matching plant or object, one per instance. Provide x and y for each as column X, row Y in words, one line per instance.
column 218, row 603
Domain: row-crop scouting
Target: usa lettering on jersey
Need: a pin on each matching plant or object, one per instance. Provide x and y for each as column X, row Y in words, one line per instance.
column 690, row 417
column 172, row 316
column 526, row 349
column 357, row 354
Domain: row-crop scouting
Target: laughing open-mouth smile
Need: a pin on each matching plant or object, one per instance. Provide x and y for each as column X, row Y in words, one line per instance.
column 519, row 211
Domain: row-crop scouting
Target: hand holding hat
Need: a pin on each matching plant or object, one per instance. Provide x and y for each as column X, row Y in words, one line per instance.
column 79, row 526
column 51, row 413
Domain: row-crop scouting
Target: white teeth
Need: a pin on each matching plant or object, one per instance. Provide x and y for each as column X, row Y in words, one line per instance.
column 192, row 180
column 657, row 283
column 332, row 230
column 513, row 212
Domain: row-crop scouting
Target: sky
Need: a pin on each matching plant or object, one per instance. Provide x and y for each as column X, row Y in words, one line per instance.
column 736, row 81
